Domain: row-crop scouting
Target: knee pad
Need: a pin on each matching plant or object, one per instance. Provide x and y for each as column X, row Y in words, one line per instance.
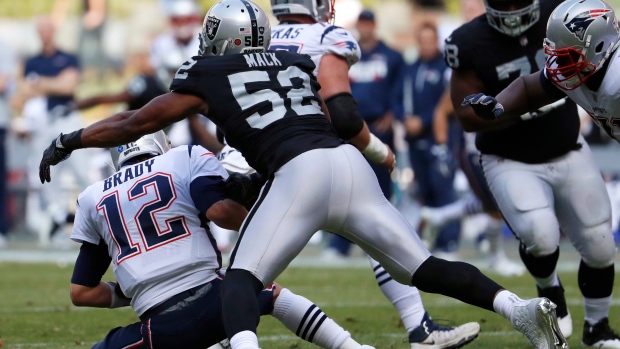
column 597, row 246
column 539, row 232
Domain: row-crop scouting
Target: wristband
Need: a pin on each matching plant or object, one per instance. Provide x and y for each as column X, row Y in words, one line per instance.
column 72, row 141
column 376, row 151
column 117, row 302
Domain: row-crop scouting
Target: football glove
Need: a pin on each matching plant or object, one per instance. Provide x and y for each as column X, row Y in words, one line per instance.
column 244, row 189
column 52, row 156
column 486, row 107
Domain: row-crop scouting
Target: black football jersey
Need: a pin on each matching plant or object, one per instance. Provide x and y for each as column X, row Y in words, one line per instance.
column 144, row 88
column 497, row 60
column 266, row 104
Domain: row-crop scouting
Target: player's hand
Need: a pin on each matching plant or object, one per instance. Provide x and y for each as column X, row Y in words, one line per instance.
column 390, row 160
column 52, row 156
column 244, row 189
column 486, row 107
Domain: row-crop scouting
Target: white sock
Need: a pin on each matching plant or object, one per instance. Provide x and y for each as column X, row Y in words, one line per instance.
column 505, row 302
column 406, row 299
column 244, row 340
column 549, row 281
column 309, row 322
column 596, row 309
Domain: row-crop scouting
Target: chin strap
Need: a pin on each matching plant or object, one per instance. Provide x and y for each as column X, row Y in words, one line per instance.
column 332, row 14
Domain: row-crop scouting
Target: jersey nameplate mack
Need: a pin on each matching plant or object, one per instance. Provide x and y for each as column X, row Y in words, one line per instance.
column 262, row 59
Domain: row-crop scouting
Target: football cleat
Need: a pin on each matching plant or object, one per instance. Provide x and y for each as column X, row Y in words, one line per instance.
column 366, row 347
column 537, row 320
column 600, row 336
column 556, row 295
column 429, row 335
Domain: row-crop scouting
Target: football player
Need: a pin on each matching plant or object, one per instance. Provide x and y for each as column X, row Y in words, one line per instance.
column 540, row 171
column 304, row 29
column 149, row 220
column 267, row 105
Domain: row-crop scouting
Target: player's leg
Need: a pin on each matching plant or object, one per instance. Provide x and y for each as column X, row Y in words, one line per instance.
column 376, row 226
column 527, row 204
column 304, row 318
column 291, row 207
column 584, row 212
column 423, row 331
column 123, row 337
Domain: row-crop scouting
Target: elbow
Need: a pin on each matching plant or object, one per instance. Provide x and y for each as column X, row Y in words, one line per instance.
column 77, row 295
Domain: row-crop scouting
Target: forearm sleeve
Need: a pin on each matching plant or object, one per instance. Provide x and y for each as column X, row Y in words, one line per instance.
column 345, row 118
column 91, row 264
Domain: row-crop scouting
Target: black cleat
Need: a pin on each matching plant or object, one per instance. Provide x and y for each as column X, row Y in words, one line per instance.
column 600, row 335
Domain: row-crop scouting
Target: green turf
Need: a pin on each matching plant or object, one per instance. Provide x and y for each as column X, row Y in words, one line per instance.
column 35, row 310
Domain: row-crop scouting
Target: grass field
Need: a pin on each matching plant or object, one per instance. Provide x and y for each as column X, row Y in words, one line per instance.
column 35, row 310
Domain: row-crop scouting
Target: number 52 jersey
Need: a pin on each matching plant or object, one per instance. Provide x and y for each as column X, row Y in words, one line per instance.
column 159, row 242
column 266, row 104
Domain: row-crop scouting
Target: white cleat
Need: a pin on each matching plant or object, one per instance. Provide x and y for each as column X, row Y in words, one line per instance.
column 429, row 335
column 505, row 267
column 537, row 321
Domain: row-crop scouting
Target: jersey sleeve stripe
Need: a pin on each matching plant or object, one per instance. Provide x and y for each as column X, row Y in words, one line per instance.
column 327, row 31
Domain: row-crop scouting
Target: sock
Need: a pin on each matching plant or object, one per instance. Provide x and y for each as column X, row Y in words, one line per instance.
column 596, row 309
column 244, row 340
column 406, row 299
column 542, row 268
column 505, row 302
column 240, row 312
column 549, row 281
column 457, row 280
column 309, row 322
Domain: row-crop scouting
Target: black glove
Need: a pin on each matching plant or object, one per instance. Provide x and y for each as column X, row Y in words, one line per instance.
column 484, row 106
column 244, row 189
column 58, row 151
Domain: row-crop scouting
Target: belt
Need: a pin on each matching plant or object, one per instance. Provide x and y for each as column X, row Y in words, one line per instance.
column 160, row 308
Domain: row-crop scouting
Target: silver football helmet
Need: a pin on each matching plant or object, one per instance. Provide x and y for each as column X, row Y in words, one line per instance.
column 234, row 26
column 152, row 144
column 581, row 35
column 512, row 22
column 320, row 10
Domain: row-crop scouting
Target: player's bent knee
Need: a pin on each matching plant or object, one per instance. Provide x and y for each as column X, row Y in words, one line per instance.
column 597, row 247
column 543, row 236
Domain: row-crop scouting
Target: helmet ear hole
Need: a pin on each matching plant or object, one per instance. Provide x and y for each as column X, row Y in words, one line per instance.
column 599, row 47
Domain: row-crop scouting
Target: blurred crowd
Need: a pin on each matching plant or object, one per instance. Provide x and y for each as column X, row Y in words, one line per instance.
column 398, row 93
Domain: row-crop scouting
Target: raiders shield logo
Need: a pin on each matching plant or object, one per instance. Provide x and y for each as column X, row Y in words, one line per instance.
column 213, row 24
column 261, row 30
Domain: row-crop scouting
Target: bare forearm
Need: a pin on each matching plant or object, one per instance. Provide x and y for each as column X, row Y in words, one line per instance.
column 115, row 130
column 227, row 214
column 361, row 140
column 99, row 296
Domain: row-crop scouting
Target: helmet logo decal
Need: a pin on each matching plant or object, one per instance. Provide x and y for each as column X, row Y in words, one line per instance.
column 213, row 24
column 120, row 149
column 580, row 23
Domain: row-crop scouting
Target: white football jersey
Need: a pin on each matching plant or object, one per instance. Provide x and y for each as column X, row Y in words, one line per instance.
column 146, row 216
column 604, row 104
column 316, row 40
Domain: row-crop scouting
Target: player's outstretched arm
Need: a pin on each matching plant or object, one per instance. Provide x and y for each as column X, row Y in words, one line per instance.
column 336, row 92
column 122, row 128
column 527, row 95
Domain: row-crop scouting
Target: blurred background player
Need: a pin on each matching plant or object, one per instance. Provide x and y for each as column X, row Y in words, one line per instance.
column 373, row 80
column 45, row 96
column 422, row 85
column 177, row 297
column 8, row 66
column 530, row 162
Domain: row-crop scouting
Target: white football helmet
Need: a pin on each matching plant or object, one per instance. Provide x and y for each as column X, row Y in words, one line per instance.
column 581, row 35
column 152, row 144
column 512, row 22
column 320, row 10
column 234, row 26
